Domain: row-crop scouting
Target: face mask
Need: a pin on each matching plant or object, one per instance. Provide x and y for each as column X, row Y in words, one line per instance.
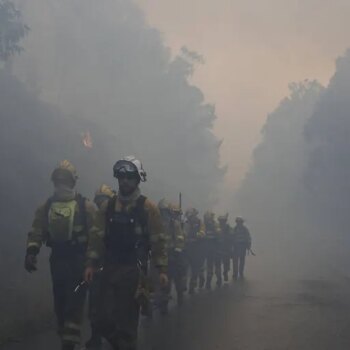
column 64, row 192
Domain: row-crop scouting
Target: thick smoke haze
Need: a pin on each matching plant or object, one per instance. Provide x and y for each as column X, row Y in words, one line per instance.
column 272, row 195
column 103, row 63
column 296, row 193
column 253, row 50
column 327, row 172
column 97, row 67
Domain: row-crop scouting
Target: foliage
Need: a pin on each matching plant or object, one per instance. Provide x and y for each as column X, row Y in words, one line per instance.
column 12, row 30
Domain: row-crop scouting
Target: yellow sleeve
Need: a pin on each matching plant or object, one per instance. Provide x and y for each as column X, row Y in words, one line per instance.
column 180, row 236
column 201, row 232
column 38, row 233
column 158, row 237
column 96, row 247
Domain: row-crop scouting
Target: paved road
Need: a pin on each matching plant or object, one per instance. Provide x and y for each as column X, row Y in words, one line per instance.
column 252, row 315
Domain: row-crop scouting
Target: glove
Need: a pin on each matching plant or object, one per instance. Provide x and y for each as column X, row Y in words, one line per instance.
column 30, row 263
column 163, row 280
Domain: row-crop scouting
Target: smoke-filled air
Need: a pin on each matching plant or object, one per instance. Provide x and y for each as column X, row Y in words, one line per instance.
column 154, row 197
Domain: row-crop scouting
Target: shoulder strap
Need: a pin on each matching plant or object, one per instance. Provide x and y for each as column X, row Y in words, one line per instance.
column 109, row 213
column 111, row 207
column 81, row 201
column 140, row 211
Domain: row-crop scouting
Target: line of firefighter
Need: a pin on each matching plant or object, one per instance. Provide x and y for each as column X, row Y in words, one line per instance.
column 127, row 252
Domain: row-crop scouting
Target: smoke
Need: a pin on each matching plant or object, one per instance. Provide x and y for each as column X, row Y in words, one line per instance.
column 279, row 160
column 271, row 197
column 94, row 68
column 296, row 193
column 328, row 169
column 102, row 62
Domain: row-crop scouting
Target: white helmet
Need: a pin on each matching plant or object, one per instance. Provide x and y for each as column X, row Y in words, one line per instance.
column 129, row 164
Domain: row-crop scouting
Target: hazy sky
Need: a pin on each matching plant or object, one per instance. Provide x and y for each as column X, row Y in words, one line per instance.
column 252, row 50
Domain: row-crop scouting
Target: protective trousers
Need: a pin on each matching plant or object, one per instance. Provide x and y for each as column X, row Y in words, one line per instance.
column 176, row 273
column 118, row 312
column 213, row 261
column 67, row 272
column 239, row 254
column 94, row 293
column 195, row 257
column 226, row 261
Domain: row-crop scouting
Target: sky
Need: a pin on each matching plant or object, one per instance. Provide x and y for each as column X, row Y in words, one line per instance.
column 252, row 50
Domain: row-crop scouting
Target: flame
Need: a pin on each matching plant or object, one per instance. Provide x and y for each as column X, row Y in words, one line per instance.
column 87, row 139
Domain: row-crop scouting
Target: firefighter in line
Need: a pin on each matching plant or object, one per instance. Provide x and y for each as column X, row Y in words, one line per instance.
column 63, row 224
column 242, row 244
column 171, row 218
column 127, row 229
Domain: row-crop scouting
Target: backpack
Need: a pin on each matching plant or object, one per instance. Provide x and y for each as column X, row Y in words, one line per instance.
column 63, row 225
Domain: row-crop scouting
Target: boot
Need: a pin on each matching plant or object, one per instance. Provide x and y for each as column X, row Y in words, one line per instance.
column 225, row 277
column 95, row 342
column 68, row 346
column 146, row 310
column 180, row 299
column 208, row 285
column 219, row 283
column 201, row 281
column 164, row 309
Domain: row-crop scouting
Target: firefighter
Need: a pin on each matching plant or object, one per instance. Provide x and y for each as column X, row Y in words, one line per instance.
column 63, row 224
column 127, row 229
column 242, row 243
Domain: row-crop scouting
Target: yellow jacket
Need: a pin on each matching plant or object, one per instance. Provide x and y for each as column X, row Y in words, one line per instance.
column 175, row 235
column 39, row 232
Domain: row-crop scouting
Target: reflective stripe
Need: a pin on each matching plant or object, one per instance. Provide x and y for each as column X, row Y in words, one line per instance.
column 72, row 325
column 71, row 332
column 33, row 244
column 92, row 255
column 71, row 338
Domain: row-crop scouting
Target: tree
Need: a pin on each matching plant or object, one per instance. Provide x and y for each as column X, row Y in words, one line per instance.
column 12, row 30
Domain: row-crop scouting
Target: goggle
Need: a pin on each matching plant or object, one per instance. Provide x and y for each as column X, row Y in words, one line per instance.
column 128, row 176
column 125, row 166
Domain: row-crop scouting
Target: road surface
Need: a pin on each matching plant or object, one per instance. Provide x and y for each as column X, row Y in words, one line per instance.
column 256, row 314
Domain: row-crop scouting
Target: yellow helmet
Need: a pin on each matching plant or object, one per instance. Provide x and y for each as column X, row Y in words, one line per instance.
column 64, row 170
column 104, row 190
column 103, row 193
